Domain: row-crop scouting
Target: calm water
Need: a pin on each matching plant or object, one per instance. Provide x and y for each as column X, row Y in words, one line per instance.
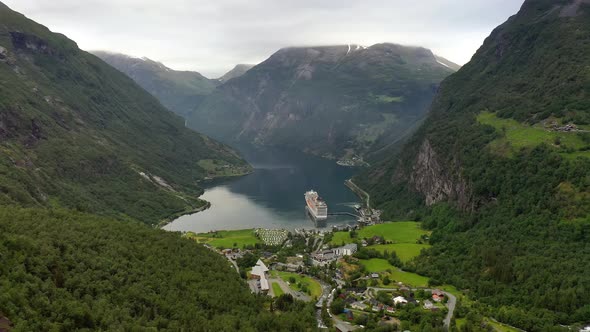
column 272, row 197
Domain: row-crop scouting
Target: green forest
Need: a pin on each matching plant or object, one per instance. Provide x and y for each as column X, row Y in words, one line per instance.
column 66, row 271
column 517, row 238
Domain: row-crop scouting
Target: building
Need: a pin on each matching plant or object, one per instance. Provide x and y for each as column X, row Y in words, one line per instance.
column 358, row 306
column 375, row 275
column 438, row 295
column 428, row 305
column 260, row 272
column 399, row 300
column 347, row 250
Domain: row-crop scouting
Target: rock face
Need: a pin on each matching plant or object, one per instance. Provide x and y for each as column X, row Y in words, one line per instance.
column 179, row 91
column 237, row 71
column 436, row 181
column 332, row 101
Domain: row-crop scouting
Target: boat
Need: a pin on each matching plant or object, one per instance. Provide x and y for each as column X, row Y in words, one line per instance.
column 316, row 205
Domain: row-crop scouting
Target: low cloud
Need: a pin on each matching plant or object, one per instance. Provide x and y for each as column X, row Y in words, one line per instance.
column 212, row 36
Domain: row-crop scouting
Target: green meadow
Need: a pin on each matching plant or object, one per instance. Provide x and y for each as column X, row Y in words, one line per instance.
column 226, row 239
column 314, row 287
column 516, row 135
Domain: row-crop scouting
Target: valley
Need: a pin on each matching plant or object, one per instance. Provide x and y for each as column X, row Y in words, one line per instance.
column 306, row 183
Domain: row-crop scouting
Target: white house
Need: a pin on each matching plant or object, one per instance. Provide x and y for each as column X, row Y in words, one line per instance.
column 399, row 300
column 347, row 250
column 259, row 271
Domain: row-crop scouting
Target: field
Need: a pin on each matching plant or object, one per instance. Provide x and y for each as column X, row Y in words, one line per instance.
column 226, row 239
column 382, row 265
column 517, row 135
column 398, row 232
column 405, row 251
column 220, row 168
column 314, row 287
column 276, row 289
column 403, row 234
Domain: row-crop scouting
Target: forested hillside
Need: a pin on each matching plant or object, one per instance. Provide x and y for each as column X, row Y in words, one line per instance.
column 180, row 91
column 76, row 132
column 332, row 101
column 68, row 271
column 500, row 171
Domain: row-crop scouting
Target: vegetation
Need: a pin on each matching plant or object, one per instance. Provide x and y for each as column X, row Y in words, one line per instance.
column 179, row 91
column 301, row 283
column 227, row 239
column 393, row 273
column 517, row 235
column 367, row 97
column 63, row 270
column 77, row 133
column 277, row 290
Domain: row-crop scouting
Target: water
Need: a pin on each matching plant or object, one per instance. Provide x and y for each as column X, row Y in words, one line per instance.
column 272, row 197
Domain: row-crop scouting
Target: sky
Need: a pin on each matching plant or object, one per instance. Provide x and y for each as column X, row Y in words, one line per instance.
column 212, row 36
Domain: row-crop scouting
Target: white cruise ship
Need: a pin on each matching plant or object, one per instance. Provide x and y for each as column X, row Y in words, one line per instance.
column 316, row 205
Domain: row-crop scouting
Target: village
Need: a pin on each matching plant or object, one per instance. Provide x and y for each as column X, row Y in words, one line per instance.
column 352, row 275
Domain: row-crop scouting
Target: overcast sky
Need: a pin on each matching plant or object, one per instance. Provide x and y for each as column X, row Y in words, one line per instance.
column 212, row 36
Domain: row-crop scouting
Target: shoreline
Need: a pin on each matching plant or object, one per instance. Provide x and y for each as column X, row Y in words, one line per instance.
column 207, row 205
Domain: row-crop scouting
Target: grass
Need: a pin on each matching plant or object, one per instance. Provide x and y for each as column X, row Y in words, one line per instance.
column 384, row 99
column 277, row 290
column 377, row 265
column 314, row 287
column 340, row 238
column 221, row 168
column 403, row 234
column 405, row 251
column 517, row 135
column 398, row 232
column 226, row 239
column 499, row 327
column 397, row 275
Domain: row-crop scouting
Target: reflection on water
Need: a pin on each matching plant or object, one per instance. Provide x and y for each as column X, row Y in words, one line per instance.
column 272, row 197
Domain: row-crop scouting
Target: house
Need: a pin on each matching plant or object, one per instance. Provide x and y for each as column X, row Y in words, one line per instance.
column 358, row 305
column 438, row 295
column 375, row 275
column 428, row 305
column 399, row 300
column 390, row 310
column 260, row 272
column 346, row 250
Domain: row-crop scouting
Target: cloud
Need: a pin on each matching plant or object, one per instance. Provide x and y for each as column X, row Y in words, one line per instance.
column 212, row 36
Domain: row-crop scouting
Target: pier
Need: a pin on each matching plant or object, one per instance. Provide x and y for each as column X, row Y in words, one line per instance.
column 344, row 214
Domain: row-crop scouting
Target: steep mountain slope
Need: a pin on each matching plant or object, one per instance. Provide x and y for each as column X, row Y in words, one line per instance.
column 76, row 132
column 179, row 91
column 332, row 101
column 501, row 170
column 237, row 71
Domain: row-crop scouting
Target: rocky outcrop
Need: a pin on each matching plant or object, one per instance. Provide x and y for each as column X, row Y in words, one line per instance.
column 438, row 182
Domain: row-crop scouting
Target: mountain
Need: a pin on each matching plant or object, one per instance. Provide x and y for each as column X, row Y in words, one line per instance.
column 179, row 91
column 68, row 271
column 237, row 71
column 333, row 101
column 500, row 170
column 77, row 133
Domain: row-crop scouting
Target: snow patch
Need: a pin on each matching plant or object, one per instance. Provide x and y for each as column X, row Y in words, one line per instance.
column 348, row 49
column 444, row 64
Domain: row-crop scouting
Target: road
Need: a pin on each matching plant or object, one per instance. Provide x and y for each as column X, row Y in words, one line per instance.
column 356, row 188
column 451, row 303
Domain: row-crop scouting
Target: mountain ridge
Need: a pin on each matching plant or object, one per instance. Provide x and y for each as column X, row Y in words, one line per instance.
column 179, row 91
column 499, row 171
column 349, row 98
column 70, row 128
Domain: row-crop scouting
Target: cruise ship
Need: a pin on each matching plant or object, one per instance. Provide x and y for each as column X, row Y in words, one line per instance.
column 316, row 205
